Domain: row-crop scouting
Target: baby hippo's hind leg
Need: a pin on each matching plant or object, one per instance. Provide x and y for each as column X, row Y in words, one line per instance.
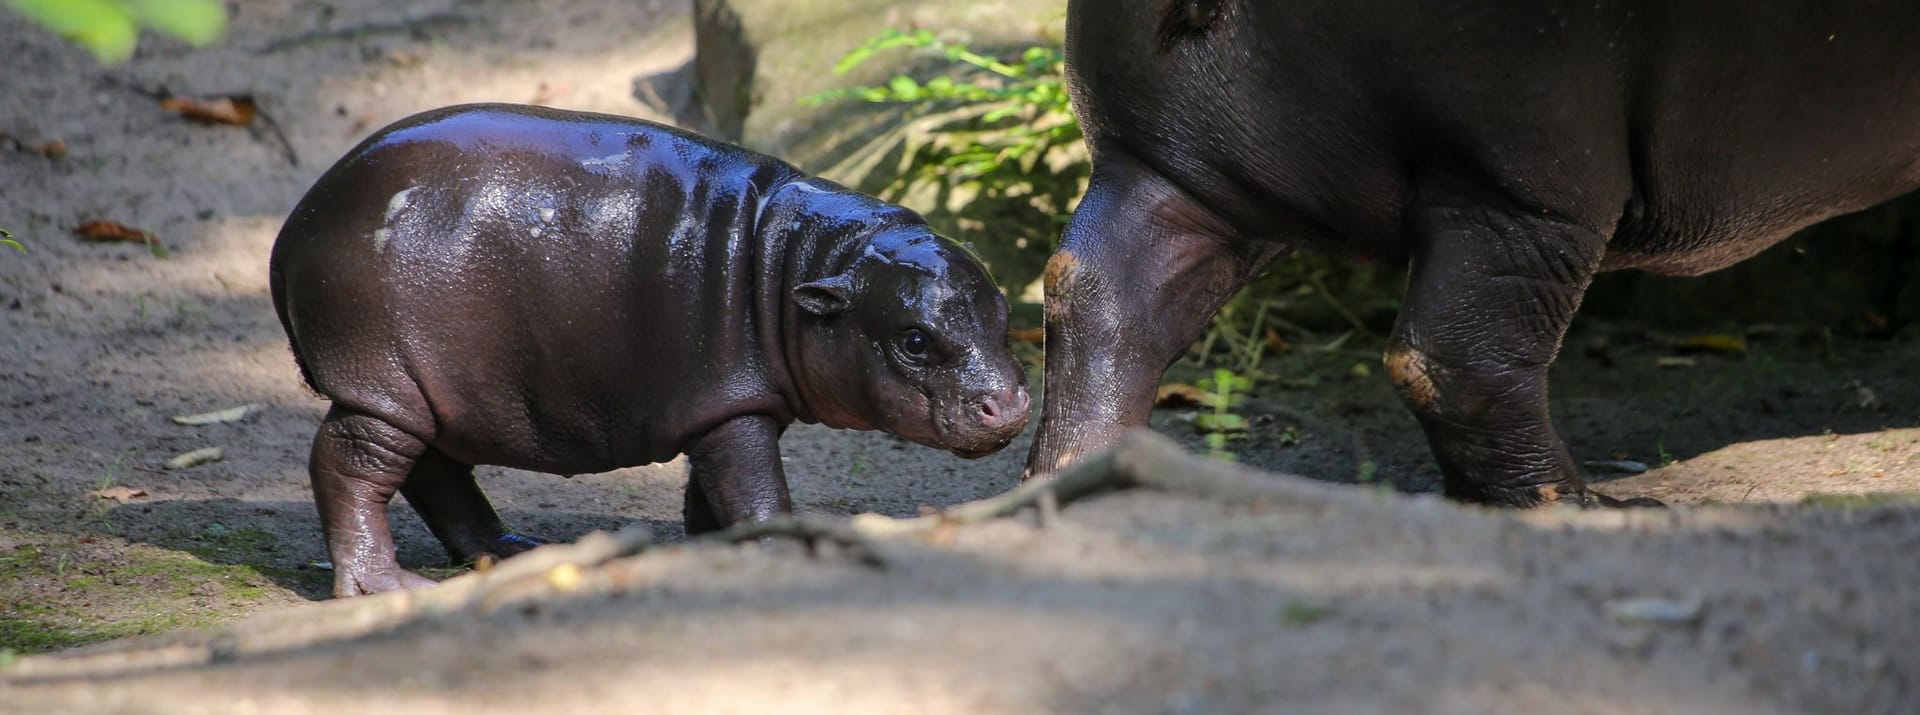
column 458, row 513
column 358, row 462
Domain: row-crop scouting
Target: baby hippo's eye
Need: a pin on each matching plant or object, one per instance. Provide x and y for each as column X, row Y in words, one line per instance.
column 915, row 343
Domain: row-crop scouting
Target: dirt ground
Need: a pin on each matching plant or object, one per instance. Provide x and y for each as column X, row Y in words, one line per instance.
column 1793, row 470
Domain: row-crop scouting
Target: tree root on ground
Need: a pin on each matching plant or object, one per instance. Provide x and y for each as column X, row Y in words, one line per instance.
column 1140, row 459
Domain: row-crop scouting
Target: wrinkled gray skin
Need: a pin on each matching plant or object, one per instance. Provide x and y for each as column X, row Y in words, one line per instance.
column 572, row 293
column 1502, row 150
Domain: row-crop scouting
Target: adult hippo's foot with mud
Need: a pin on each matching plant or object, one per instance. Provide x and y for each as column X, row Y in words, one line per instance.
column 573, row 293
column 1503, row 152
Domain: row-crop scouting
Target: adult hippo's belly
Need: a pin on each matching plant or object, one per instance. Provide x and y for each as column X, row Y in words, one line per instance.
column 1504, row 152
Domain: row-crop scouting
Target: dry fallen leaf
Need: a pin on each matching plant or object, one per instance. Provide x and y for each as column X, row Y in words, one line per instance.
column 52, row 149
column 1276, row 343
column 119, row 493
column 236, row 109
column 1035, row 336
column 1673, row 361
column 196, row 458
column 101, row 230
column 231, row 414
column 1723, row 344
column 1178, row 394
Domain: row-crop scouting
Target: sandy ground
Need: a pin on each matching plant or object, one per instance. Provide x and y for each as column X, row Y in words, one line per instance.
column 1135, row 603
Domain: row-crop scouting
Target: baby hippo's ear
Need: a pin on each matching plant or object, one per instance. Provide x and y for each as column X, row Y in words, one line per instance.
column 826, row 296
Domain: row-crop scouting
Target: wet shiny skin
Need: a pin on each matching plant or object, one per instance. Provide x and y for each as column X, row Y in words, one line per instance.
column 571, row 293
column 1504, row 152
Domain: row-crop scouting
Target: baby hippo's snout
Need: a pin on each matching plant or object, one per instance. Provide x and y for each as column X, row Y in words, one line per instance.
column 1005, row 412
column 988, row 421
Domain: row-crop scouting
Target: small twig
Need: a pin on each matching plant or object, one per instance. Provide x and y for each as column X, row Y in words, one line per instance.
column 160, row 93
column 1338, row 307
column 809, row 529
column 1141, row 458
column 293, row 158
column 1047, row 512
column 1256, row 346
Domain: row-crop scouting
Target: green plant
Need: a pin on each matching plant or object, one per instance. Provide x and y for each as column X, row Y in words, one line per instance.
column 986, row 147
column 1012, row 115
column 1223, row 392
column 6, row 239
column 111, row 28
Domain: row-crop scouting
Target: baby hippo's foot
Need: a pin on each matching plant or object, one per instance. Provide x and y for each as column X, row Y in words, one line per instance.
column 362, row 582
column 507, row 544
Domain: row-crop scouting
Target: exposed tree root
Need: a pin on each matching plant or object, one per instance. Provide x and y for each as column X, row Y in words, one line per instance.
column 1140, row 459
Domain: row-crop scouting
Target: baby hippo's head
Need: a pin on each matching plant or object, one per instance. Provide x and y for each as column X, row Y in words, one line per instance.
column 911, row 338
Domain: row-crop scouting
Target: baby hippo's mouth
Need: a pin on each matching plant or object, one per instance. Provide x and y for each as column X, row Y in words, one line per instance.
column 971, row 453
column 985, row 424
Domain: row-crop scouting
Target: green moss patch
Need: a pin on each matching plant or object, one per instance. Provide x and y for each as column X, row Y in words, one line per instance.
column 59, row 592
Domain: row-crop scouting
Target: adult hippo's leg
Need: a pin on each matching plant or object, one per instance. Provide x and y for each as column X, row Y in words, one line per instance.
column 735, row 475
column 698, row 514
column 457, row 512
column 1140, row 271
column 358, row 462
column 1489, row 296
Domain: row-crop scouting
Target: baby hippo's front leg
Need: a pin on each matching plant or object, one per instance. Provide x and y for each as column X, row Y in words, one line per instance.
column 735, row 475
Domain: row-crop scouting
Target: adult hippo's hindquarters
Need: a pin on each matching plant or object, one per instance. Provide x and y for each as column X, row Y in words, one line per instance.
column 566, row 292
column 1503, row 151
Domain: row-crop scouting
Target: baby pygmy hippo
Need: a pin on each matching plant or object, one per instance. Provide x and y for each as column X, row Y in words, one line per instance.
column 569, row 293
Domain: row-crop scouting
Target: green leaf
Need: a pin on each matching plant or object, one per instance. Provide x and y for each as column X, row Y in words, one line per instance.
column 853, row 59
column 1231, row 382
column 1001, row 113
column 1219, row 422
column 104, row 27
column 197, row 22
column 15, row 244
column 904, row 88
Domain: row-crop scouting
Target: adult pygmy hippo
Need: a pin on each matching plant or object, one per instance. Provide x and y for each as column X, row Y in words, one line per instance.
column 567, row 292
column 1503, row 151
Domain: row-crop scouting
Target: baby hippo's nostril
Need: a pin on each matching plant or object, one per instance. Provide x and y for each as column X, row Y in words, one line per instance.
column 1009, row 407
